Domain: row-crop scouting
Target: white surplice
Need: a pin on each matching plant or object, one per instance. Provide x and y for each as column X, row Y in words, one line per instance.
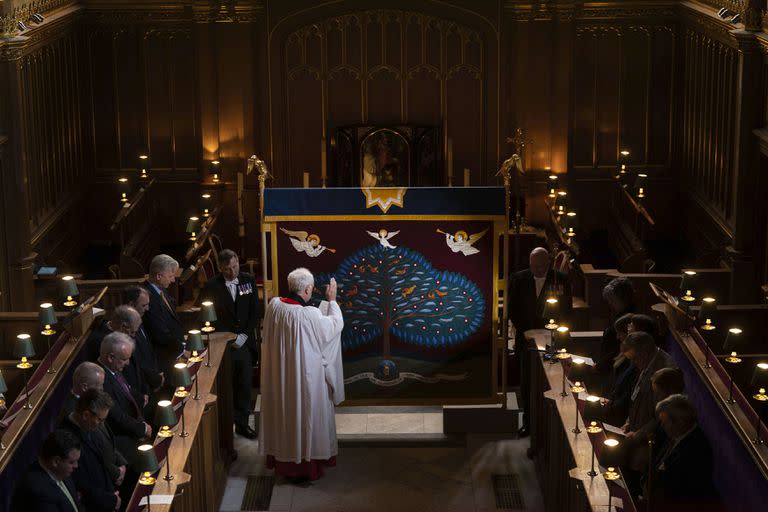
column 301, row 379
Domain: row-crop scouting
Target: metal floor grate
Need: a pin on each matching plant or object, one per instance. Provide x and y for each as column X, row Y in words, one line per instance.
column 506, row 489
column 258, row 493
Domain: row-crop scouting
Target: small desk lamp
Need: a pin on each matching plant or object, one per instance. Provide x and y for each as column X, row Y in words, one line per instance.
column 760, row 381
column 205, row 204
column 69, row 292
column 707, row 314
column 147, row 466
column 592, row 414
column 181, row 380
column 47, row 319
column 610, row 457
column 124, row 188
column 165, row 419
column 23, row 350
column 195, row 344
column 207, row 318
column 561, row 203
column 553, row 185
column 143, row 166
column 731, row 342
column 215, row 170
column 641, row 186
column 688, row 286
column 192, row 227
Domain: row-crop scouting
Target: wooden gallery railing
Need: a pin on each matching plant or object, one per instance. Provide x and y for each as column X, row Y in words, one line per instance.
column 136, row 232
column 563, row 459
column 200, row 461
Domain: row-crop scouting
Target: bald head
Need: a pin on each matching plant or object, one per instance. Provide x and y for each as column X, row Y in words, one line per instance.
column 539, row 262
column 86, row 376
column 126, row 320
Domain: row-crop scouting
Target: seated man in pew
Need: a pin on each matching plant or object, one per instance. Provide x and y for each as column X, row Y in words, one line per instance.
column 641, row 350
column 528, row 292
column 645, row 323
column 617, row 390
column 92, row 477
column 47, row 484
column 90, row 376
column 125, row 418
column 161, row 321
column 682, row 471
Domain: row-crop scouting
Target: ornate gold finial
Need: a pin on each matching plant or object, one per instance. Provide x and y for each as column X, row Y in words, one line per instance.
column 519, row 140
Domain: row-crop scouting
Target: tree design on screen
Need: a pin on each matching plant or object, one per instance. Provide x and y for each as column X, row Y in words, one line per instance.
column 397, row 291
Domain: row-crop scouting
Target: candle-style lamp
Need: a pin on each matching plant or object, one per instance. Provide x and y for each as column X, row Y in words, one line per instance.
column 214, row 170
column 688, row 287
column 577, row 373
column 23, row 350
column 124, row 188
column 195, row 345
column 207, row 318
column 759, row 382
column 165, row 420
column 641, row 186
column 47, row 319
column 561, row 203
column 707, row 313
column 593, row 414
column 143, row 166
column 553, row 185
column 69, row 292
column 181, row 380
column 193, row 225
column 205, row 204
column 732, row 341
column 570, row 225
column 147, row 466
column 611, row 458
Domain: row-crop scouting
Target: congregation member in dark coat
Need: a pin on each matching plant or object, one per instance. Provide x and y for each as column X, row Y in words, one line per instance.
column 92, row 478
column 47, row 484
column 618, row 389
column 144, row 353
column 619, row 293
column 235, row 298
column 125, row 417
column 641, row 350
column 682, row 471
column 161, row 321
column 528, row 292
column 86, row 376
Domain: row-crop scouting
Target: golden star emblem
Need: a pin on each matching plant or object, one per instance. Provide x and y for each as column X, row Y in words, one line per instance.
column 384, row 198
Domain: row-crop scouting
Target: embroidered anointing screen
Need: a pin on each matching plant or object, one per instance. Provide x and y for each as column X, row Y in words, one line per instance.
column 417, row 284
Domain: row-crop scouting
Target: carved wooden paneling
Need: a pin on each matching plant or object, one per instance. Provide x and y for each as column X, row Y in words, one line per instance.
column 622, row 94
column 707, row 123
column 144, row 96
column 52, row 129
column 378, row 67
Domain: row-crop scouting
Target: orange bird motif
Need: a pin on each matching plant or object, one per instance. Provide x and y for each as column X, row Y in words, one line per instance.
column 407, row 291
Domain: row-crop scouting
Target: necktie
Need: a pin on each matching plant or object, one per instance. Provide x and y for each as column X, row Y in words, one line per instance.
column 63, row 487
column 232, row 287
column 168, row 304
column 127, row 390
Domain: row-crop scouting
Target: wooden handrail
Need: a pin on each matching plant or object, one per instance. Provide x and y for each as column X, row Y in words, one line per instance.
column 638, row 207
column 205, row 232
column 132, row 203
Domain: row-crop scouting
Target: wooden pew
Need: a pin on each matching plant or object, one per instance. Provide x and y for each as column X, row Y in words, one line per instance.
column 562, row 458
column 47, row 290
column 628, row 230
column 199, row 462
column 135, row 232
column 741, row 466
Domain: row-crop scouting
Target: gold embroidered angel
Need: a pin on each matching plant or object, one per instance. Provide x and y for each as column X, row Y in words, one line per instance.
column 460, row 242
column 304, row 242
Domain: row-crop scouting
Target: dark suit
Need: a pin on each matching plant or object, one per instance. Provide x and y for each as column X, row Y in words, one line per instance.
column 146, row 360
column 164, row 328
column 239, row 316
column 112, row 461
column 682, row 479
column 125, row 420
column 92, row 477
column 37, row 492
column 526, row 310
column 93, row 345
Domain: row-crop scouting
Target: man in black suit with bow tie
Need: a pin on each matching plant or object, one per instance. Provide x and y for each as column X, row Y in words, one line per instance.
column 161, row 321
column 236, row 301
column 528, row 292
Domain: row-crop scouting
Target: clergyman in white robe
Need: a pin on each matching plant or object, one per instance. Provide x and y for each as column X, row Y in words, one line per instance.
column 301, row 379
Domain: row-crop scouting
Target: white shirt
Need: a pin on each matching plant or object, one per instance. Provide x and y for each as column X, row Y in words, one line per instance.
column 539, row 284
column 232, row 287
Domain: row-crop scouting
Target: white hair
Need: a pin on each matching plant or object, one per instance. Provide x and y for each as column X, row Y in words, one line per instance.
column 299, row 279
column 162, row 263
column 113, row 341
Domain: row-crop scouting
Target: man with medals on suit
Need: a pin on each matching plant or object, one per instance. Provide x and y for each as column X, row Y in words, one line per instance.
column 161, row 321
column 236, row 301
column 528, row 293
column 47, row 484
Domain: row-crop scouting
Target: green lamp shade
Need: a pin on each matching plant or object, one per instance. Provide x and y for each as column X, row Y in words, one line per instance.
column 760, row 377
column 562, row 336
column 47, row 315
column 561, row 202
column 69, row 287
column 551, row 308
column 641, row 186
column 180, row 377
column 23, row 347
column 553, row 184
column 569, row 224
column 3, row 385
column 165, row 416
column 192, row 224
column 732, row 339
column 688, row 286
column 146, row 464
column 195, row 341
column 592, row 409
column 207, row 312
column 706, row 318
column 579, row 370
column 611, row 454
